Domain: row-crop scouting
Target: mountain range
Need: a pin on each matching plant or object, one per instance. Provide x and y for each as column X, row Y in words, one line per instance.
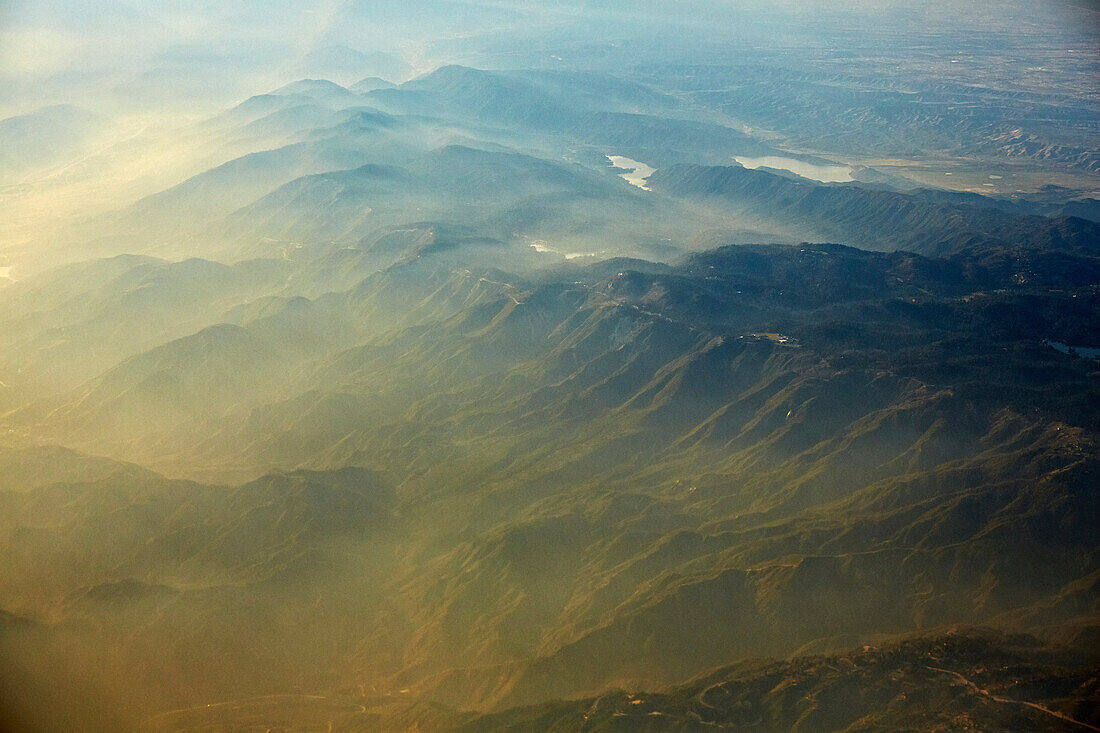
column 529, row 398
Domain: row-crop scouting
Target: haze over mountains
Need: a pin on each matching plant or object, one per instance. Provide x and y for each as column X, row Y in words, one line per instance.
column 441, row 368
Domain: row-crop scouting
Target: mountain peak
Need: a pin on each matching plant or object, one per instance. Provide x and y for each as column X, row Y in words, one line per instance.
column 310, row 86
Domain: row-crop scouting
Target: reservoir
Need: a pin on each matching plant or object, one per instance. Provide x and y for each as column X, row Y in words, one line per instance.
column 636, row 172
column 823, row 173
column 1085, row 351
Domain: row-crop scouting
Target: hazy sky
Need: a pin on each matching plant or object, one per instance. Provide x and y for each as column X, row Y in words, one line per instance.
column 199, row 53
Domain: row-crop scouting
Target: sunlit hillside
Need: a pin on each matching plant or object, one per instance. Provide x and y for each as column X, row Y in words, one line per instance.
column 505, row 366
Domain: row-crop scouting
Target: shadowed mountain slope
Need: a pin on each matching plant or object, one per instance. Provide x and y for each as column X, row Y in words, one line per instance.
column 878, row 219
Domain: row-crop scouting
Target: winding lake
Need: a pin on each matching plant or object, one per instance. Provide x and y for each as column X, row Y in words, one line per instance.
column 636, row 172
